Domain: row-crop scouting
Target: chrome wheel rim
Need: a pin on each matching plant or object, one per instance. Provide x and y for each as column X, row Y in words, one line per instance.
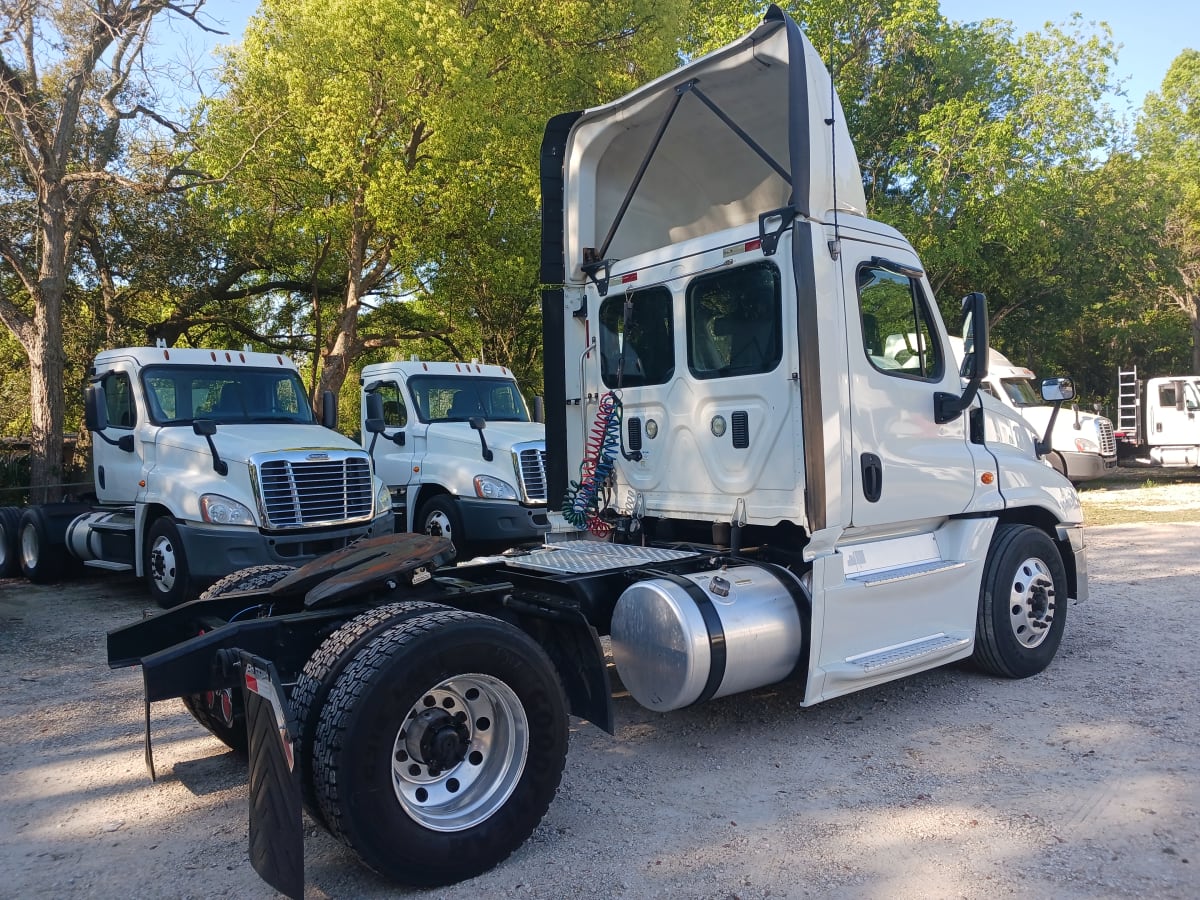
column 163, row 563
column 460, row 752
column 1031, row 602
column 29, row 547
column 437, row 524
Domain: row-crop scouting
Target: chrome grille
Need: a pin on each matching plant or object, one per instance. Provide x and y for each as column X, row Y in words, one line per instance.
column 530, row 461
column 314, row 489
column 1108, row 444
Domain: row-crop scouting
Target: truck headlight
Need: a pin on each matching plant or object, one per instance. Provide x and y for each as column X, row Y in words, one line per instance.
column 383, row 500
column 218, row 510
column 1083, row 445
column 490, row 488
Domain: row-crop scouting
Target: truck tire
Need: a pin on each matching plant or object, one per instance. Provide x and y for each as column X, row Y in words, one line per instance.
column 323, row 669
column 439, row 516
column 10, row 561
column 440, row 747
column 165, row 564
column 223, row 712
column 1022, row 603
column 41, row 560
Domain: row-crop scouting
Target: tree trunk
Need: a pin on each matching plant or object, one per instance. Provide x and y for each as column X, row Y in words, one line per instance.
column 341, row 346
column 47, row 359
column 1193, row 311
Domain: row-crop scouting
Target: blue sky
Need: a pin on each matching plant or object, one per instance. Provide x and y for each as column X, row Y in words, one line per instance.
column 1152, row 33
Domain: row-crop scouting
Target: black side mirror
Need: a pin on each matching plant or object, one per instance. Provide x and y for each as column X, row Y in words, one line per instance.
column 479, row 423
column 374, row 422
column 539, row 409
column 947, row 407
column 95, row 408
column 329, row 410
column 206, row 428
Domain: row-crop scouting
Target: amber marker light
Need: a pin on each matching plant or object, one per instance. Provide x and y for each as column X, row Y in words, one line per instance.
column 987, row 477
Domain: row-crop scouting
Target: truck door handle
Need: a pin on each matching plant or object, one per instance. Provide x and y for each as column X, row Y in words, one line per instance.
column 872, row 477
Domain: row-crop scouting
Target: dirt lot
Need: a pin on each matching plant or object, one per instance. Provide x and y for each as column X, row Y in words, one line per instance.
column 1082, row 782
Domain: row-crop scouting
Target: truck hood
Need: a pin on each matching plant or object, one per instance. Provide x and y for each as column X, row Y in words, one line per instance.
column 237, row 443
column 701, row 176
column 501, row 436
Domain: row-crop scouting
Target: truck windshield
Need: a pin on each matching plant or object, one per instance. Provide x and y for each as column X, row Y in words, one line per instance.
column 177, row 395
column 456, row 398
column 1020, row 391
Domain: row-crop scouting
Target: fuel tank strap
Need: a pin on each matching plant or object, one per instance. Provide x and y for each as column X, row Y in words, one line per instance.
column 716, row 633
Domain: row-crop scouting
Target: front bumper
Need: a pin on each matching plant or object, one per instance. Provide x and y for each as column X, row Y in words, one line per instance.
column 1086, row 466
column 214, row 551
column 502, row 520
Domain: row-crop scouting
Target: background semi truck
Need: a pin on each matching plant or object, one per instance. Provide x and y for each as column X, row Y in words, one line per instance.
column 204, row 461
column 768, row 499
column 1081, row 445
column 1157, row 419
column 459, row 452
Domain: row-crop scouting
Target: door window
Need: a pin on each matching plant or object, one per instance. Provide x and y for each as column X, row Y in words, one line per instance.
column 734, row 322
column 637, row 338
column 395, row 415
column 897, row 324
column 118, row 397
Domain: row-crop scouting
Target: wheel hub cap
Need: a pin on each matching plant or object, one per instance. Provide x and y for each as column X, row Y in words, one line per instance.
column 162, row 563
column 1031, row 602
column 460, row 752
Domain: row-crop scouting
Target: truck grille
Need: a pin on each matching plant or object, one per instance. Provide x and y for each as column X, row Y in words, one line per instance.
column 530, row 460
column 1108, row 444
column 307, row 489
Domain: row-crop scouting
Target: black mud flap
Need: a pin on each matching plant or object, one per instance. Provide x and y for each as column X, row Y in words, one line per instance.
column 276, row 825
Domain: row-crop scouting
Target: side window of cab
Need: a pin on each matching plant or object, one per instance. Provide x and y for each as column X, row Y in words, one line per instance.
column 395, row 414
column 897, row 325
column 118, row 397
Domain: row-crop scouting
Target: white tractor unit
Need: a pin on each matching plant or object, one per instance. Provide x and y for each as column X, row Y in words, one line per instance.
column 205, row 462
column 763, row 496
column 458, row 451
column 1157, row 419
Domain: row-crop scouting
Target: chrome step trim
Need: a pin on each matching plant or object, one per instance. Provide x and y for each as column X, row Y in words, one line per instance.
column 904, row 653
column 108, row 565
column 887, row 576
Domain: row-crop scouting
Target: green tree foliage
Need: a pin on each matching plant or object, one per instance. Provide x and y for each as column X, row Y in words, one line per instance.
column 391, row 147
column 70, row 86
column 1169, row 140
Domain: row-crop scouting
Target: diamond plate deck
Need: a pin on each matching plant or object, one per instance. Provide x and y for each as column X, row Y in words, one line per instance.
column 586, row 557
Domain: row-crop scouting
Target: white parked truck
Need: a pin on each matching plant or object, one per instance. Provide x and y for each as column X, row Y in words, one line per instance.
column 1079, row 445
column 205, row 462
column 1158, row 419
column 770, row 500
column 458, row 451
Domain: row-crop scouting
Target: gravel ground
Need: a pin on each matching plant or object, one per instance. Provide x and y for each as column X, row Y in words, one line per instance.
column 1081, row 782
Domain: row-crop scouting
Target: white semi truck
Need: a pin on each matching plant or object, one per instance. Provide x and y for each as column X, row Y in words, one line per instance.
column 458, row 451
column 204, row 462
column 1080, row 445
column 769, row 499
column 1158, row 419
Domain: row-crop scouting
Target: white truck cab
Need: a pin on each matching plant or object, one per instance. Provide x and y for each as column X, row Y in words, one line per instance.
column 721, row 330
column 459, row 451
column 1159, row 419
column 205, row 462
column 1082, row 446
